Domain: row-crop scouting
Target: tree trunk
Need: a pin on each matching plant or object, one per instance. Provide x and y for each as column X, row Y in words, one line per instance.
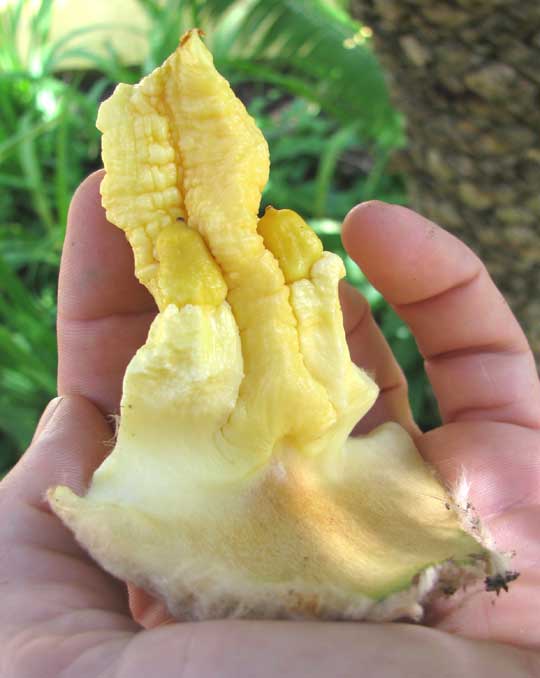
column 466, row 74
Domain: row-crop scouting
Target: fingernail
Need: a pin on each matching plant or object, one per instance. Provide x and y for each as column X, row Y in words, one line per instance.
column 47, row 416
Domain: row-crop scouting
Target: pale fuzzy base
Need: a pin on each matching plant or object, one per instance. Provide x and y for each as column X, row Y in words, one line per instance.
column 212, row 594
column 296, row 601
column 215, row 595
column 218, row 598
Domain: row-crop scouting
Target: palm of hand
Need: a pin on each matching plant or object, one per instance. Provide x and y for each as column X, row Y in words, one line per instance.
column 63, row 616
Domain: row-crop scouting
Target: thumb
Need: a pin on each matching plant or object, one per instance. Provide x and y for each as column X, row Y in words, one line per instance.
column 38, row 552
column 69, row 443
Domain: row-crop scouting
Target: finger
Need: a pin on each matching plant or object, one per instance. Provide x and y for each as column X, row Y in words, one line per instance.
column 501, row 461
column 477, row 357
column 103, row 312
column 40, row 556
column 265, row 649
column 146, row 610
column 370, row 351
column 502, row 484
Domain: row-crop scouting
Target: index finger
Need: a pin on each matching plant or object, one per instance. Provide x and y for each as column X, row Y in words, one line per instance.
column 103, row 312
column 476, row 354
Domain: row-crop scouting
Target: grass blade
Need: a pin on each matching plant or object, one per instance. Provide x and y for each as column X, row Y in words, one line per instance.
column 33, row 173
column 334, row 147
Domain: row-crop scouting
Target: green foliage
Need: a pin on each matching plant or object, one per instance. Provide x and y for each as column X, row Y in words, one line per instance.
column 27, row 360
column 302, row 46
column 309, row 48
column 307, row 74
column 319, row 167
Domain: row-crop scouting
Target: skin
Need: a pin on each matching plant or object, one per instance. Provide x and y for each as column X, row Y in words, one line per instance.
column 62, row 616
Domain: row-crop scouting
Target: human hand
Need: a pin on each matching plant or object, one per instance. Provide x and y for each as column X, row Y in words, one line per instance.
column 63, row 616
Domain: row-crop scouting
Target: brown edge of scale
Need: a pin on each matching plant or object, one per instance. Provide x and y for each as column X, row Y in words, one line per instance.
column 494, row 583
column 500, row 582
column 188, row 35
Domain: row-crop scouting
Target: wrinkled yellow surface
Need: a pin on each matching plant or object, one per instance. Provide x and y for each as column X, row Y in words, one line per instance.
column 233, row 488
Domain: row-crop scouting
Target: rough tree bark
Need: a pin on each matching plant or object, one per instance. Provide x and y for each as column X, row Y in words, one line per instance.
column 466, row 73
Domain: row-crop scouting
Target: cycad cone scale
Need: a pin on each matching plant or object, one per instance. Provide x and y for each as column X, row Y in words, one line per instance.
column 233, row 488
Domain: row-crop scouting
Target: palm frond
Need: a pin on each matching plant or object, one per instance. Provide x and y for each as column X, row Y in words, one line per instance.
column 309, row 41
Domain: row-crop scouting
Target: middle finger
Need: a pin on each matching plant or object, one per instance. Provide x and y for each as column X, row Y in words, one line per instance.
column 370, row 351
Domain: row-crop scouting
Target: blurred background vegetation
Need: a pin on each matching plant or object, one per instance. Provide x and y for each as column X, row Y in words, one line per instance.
column 304, row 69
